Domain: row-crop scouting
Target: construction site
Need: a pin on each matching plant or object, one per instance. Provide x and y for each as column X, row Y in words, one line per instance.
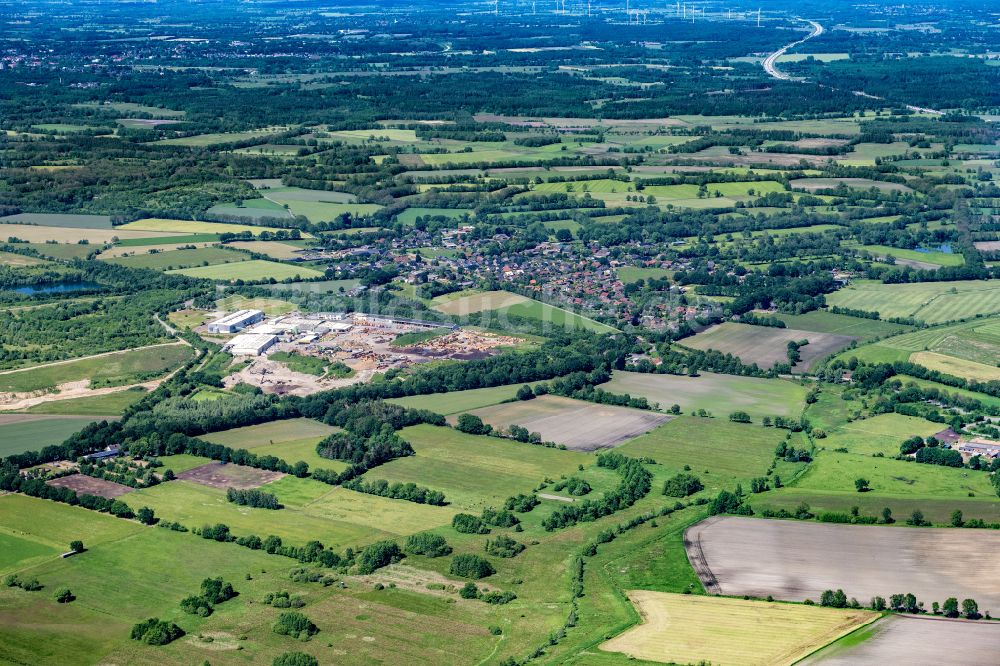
column 351, row 348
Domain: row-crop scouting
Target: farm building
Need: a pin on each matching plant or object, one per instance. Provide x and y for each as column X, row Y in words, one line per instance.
column 980, row 447
column 250, row 344
column 235, row 321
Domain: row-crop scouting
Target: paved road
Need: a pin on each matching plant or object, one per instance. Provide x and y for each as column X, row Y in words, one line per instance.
column 771, row 60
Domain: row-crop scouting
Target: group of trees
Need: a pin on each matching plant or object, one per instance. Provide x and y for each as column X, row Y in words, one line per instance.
column 253, row 497
column 635, row 484
column 214, row 591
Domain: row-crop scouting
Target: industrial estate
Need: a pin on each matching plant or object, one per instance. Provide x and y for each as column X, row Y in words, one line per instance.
column 585, row 332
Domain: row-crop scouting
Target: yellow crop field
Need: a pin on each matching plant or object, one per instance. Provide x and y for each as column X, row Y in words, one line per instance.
column 958, row 367
column 684, row 629
column 160, row 224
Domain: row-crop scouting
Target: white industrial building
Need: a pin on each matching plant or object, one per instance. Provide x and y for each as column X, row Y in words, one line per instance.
column 250, row 344
column 235, row 321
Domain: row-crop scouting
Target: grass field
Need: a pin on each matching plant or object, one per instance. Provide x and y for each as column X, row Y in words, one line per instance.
column 459, row 401
column 112, row 369
column 684, row 629
column 161, row 225
column 822, row 321
column 410, row 215
column 833, row 472
column 500, row 303
column 98, row 405
column 180, row 258
column 719, row 394
column 878, row 434
column 630, row 274
column 957, row 367
column 918, row 258
column 255, row 269
column 13, row 259
column 270, row 248
column 766, row 346
column 968, row 349
column 717, row 451
column 291, row 440
column 270, row 433
column 932, row 302
column 472, row 471
column 62, row 250
column 270, row 306
column 581, row 426
column 20, row 433
column 340, row 519
column 94, row 629
column 204, row 140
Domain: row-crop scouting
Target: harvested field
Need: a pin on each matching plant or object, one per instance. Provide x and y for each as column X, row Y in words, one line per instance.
column 915, row 640
column 958, row 367
column 222, row 475
column 767, row 346
column 687, row 629
column 815, row 184
column 795, row 561
column 40, row 234
column 60, row 220
column 88, row 485
column 932, row 302
column 270, row 248
column 581, row 426
column 721, row 394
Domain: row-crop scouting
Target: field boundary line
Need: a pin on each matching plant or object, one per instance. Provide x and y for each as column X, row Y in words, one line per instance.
column 87, row 358
column 878, row 618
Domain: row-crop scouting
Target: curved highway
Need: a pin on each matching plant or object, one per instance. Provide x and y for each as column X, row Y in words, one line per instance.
column 771, row 60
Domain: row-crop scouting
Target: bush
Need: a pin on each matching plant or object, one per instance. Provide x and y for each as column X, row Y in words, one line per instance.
column 466, row 523
column 473, row 425
column 682, row 485
column 216, row 590
column 155, row 631
column 471, row 566
column 429, row 545
column 378, row 555
column 295, row 659
column 64, row 596
column 521, row 503
column 296, row 625
column 499, row 517
column 498, row 598
column 76, row 546
column 254, row 498
column 469, row 591
column 196, row 605
column 503, row 546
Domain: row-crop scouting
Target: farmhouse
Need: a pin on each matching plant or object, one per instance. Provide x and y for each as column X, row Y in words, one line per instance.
column 980, row 447
column 235, row 321
column 250, row 344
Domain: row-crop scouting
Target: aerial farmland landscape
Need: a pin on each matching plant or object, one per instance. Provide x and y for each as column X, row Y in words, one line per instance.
column 499, row 332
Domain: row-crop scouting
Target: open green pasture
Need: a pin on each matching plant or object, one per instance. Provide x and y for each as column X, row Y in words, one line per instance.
column 97, row 405
column 828, row 322
column 20, row 433
column 254, row 269
column 932, row 302
column 114, row 369
column 719, row 394
column 878, row 434
column 474, row 471
column 719, row 452
column 204, row 256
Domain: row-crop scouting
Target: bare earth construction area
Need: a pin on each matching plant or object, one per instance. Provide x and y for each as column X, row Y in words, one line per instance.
column 795, row 561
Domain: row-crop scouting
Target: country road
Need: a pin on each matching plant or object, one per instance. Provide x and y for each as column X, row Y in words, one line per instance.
column 771, row 60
